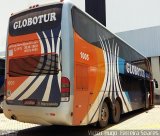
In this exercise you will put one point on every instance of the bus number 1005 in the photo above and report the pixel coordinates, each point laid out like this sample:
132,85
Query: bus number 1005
84,56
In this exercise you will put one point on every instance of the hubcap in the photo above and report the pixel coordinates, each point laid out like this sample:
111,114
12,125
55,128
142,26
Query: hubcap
104,114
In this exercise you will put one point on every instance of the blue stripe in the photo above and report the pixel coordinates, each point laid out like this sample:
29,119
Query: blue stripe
121,63
39,92
56,34
55,91
43,41
127,95
26,88
49,37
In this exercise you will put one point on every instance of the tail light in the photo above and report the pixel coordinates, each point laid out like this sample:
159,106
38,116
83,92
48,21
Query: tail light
65,89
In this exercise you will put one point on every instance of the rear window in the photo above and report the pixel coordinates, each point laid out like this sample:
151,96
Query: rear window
34,65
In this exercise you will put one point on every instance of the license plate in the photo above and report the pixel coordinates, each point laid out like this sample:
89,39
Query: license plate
29,102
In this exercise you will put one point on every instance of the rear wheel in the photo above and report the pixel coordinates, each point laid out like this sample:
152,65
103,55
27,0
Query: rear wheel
104,116
116,113
147,103
1,99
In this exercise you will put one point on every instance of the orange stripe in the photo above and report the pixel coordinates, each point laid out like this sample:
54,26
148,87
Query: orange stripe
19,51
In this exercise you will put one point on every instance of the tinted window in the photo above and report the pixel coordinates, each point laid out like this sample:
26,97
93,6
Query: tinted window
84,26
88,28
91,31
34,65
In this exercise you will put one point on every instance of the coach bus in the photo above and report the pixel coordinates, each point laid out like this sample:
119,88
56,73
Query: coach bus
65,68
2,72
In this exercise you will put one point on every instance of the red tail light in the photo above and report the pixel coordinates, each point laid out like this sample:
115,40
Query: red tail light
65,89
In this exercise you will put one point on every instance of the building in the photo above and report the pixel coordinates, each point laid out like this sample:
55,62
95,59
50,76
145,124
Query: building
147,42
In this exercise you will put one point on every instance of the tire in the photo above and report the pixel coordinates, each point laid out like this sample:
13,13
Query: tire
104,116
115,113
1,110
147,104
1,99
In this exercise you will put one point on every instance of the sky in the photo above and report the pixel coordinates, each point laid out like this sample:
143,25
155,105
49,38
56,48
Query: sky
7,7
126,15
122,15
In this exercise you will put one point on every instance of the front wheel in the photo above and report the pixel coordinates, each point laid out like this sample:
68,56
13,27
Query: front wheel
104,116
116,113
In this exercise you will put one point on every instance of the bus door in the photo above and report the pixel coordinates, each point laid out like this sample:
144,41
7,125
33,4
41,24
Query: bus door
81,93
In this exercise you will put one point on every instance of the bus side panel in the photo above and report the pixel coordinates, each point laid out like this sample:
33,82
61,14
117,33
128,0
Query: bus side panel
89,69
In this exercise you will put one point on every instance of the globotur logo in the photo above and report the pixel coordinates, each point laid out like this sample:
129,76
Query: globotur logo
134,70
35,20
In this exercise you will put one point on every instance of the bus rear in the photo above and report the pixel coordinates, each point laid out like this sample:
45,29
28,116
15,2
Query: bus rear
36,92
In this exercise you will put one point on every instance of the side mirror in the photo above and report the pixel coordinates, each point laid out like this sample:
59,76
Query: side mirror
156,83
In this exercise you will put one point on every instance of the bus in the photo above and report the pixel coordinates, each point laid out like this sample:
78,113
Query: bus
2,73
64,68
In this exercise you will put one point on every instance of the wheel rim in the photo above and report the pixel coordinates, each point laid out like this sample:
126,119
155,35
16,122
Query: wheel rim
104,114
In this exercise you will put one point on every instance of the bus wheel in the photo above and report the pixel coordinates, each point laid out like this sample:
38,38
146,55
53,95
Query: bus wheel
147,103
104,116
116,113
1,98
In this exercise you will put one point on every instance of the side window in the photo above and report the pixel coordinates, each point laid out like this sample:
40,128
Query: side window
125,82
84,26
88,28
81,77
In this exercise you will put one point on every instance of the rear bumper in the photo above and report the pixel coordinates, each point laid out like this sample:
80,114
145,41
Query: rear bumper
40,115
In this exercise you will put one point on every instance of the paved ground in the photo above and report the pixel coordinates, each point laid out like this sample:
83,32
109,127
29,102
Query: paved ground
146,120
137,120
